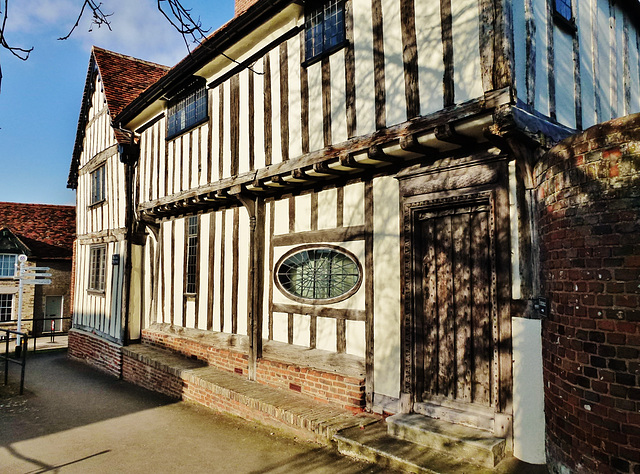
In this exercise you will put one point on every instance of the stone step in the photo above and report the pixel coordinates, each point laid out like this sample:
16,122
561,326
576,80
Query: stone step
233,393
374,444
462,442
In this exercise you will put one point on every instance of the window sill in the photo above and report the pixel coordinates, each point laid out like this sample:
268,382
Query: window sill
96,204
95,292
569,26
324,54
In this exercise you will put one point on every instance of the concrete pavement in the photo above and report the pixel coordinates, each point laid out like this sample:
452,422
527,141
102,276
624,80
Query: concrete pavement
74,419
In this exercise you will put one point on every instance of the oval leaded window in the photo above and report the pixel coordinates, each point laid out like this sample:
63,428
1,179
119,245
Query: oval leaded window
318,274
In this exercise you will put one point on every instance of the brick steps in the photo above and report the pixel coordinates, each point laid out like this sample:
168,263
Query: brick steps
180,377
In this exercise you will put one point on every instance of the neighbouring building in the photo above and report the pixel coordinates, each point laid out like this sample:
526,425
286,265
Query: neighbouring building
414,191
45,234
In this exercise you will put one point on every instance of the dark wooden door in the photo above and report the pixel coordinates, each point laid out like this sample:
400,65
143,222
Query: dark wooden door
454,290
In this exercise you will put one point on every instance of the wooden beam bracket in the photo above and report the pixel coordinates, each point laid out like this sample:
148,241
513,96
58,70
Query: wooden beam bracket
447,133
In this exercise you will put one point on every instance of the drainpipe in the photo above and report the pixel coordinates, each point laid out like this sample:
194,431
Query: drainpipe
255,208
128,155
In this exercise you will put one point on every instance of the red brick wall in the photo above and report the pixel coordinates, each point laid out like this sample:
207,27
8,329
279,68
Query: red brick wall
589,222
97,352
151,378
346,392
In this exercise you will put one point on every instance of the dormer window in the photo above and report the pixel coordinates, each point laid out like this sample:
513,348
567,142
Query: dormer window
324,28
187,112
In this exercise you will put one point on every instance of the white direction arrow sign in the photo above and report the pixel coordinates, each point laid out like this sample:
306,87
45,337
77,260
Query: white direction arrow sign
36,275
36,269
41,281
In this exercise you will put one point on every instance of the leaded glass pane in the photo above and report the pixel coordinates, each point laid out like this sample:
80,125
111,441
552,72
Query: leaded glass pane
324,27
192,253
563,7
187,112
318,274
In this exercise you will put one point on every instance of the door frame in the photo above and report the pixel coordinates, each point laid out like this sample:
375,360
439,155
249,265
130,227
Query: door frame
424,188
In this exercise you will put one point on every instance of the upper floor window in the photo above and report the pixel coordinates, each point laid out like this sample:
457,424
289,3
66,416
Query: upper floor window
192,254
187,112
563,9
324,28
7,265
6,307
97,263
98,185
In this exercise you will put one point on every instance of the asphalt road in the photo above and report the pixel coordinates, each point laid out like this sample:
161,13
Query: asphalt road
75,419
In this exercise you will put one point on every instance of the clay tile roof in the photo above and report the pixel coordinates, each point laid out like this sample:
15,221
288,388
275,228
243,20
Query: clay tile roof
47,230
124,77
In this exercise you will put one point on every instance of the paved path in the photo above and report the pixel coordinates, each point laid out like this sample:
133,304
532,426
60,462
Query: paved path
74,419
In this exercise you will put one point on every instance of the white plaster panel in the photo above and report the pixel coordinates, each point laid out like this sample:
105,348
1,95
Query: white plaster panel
338,98
314,75
301,330
243,142
327,209
295,111
281,220
243,271
564,77
327,334
584,15
204,154
190,313
214,96
542,58
519,49
258,118
363,58
266,301
528,391
226,145
467,76
171,164
167,273
303,213
396,109
634,69
280,327
204,250
275,106
178,271
217,265
430,51
355,335
386,286
618,77
228,269
603,66
354,204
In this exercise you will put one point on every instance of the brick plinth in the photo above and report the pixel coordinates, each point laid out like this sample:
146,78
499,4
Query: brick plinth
91,349
589,223
229,353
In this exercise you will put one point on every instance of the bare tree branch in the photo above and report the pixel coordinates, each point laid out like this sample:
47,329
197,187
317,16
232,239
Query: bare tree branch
99,17
20,53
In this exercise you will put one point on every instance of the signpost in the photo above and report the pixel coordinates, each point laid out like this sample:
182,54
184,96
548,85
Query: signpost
28,276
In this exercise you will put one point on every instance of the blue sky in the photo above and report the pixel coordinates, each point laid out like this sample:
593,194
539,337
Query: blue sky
40,98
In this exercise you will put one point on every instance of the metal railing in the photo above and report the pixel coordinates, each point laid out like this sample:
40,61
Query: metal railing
21,355
38,330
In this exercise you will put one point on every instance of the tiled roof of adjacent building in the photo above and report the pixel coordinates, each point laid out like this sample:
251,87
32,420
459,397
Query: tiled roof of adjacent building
47,230
123,78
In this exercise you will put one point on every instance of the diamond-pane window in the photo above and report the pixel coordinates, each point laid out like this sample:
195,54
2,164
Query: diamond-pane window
192,254
324,27
319,274
187,112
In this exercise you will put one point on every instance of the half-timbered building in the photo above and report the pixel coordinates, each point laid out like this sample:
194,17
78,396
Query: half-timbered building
352,181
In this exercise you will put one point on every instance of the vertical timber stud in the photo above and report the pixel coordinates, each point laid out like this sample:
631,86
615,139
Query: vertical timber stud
255,208
369,296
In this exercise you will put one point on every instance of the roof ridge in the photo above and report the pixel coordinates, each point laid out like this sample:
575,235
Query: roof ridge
130,58
71,206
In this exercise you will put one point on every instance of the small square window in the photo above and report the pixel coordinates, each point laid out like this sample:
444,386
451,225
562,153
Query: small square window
6,307
187,112
98,185
324,28
7,265
97,267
